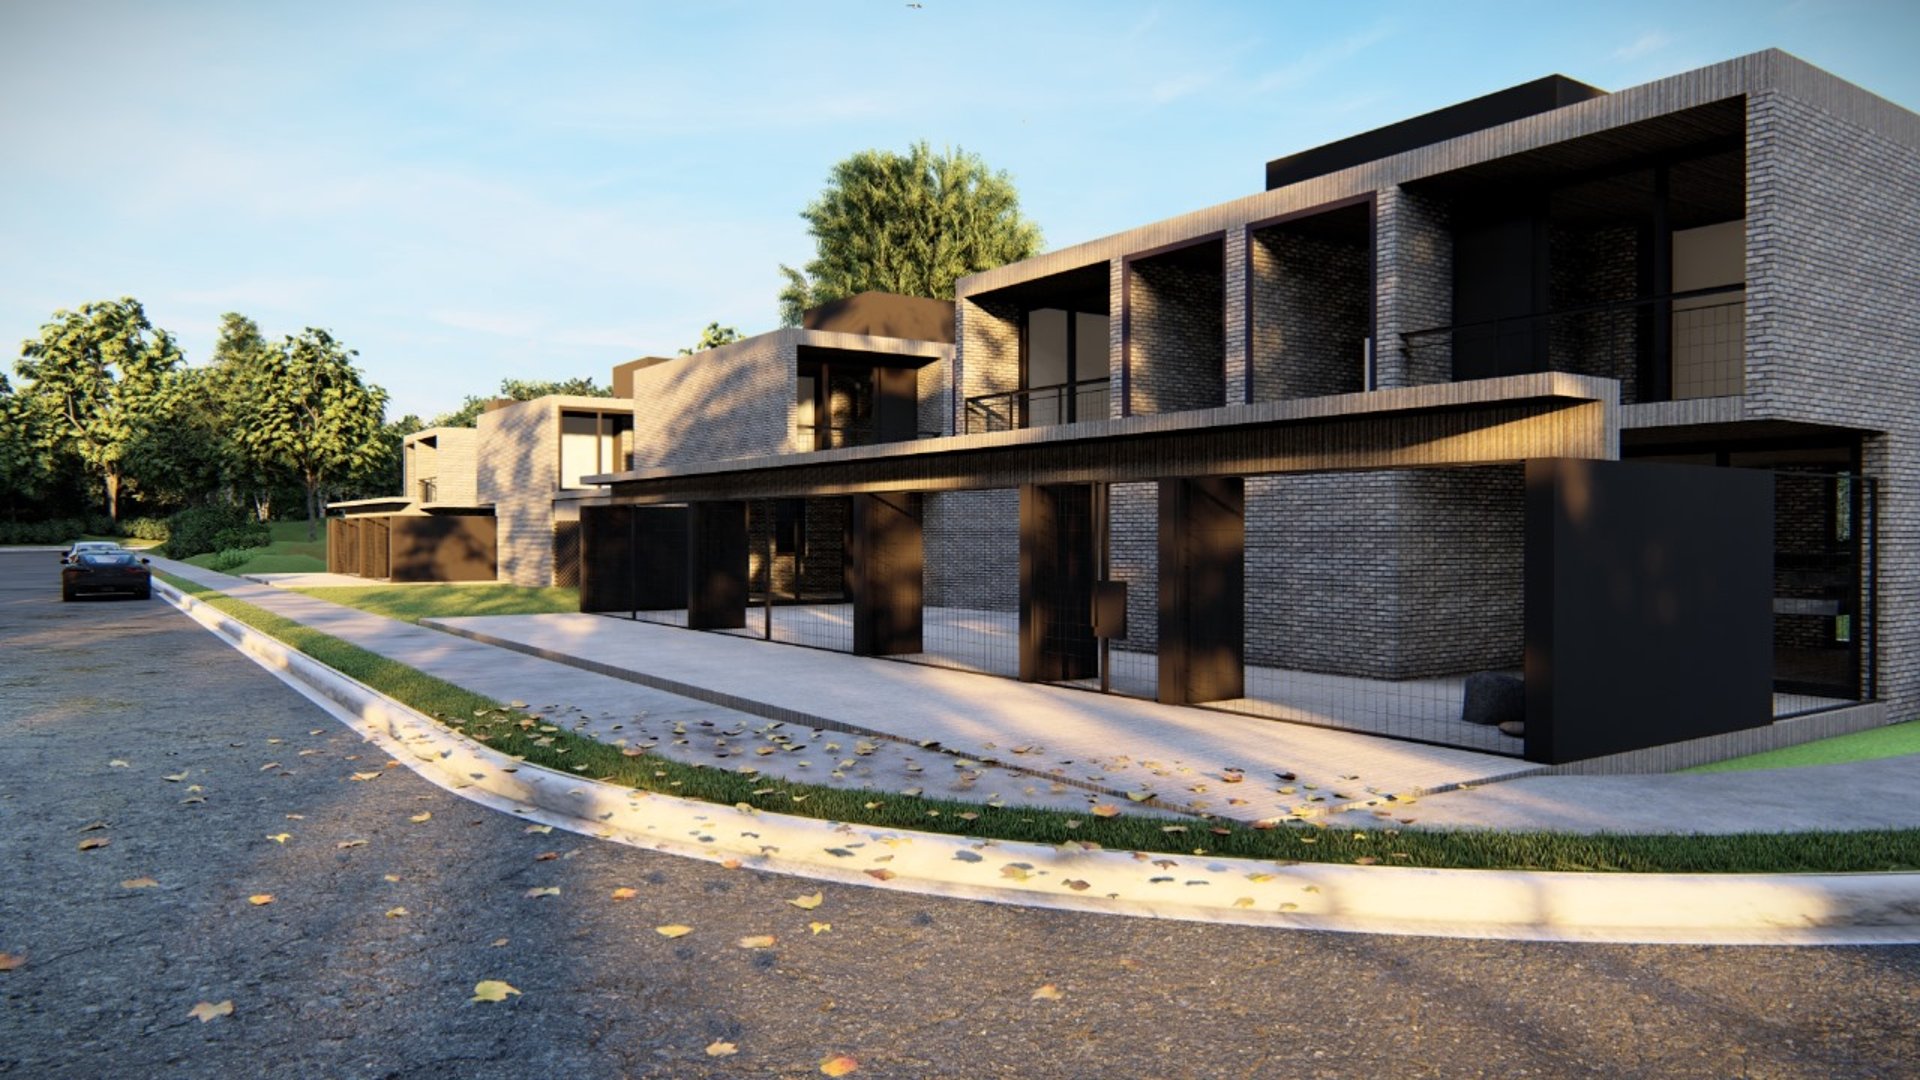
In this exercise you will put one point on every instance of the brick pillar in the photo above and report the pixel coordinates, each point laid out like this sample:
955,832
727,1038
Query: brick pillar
1413,261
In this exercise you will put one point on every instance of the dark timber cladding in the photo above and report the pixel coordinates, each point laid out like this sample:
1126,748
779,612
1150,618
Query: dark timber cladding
886,568
1058,568
717,566
1202,590
1555,418
633,558
1648,605
880,314
1491,110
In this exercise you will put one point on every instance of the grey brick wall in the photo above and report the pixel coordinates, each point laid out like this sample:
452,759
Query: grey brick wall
1178,337
972,549
1413,256
732,402
1309,300
1596,266
987,333
1388,575
1833,320
1133,550
519,471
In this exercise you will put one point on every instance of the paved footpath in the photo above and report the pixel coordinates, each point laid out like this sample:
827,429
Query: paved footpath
332,978
1135,745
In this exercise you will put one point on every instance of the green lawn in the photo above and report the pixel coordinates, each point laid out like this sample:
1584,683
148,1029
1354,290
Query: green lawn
1883,742
289,553
533,739
412,603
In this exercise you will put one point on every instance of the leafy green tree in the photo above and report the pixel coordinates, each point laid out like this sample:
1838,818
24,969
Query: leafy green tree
312,414
25,465
243,366
468,414
178,458
94,374
713,337
912,224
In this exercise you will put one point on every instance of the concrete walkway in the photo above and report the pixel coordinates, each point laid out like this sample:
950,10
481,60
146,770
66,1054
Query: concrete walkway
1069,748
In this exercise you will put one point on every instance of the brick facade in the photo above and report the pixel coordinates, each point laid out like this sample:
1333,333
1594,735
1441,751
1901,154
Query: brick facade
1309,300
972,549
1176,336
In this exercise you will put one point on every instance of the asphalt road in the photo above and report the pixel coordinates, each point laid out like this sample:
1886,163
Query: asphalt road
217,783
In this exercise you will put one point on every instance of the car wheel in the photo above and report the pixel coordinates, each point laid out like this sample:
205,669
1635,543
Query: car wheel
66,595
144,594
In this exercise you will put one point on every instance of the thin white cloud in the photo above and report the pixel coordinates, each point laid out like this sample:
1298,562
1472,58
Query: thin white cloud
1310,65
1650,42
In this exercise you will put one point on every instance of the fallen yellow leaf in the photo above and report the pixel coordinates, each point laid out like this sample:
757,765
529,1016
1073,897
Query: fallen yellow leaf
673,930
819,927
541,829
92,842
351,844
139,883
280,838
491,990
424,815
1106,810
721,1049
116,763
397,913
9,961
806,903
175,778
260,899
207,1010
757,941
838,1065
1048,992
499,943
625,893
365,776
543,890
881,875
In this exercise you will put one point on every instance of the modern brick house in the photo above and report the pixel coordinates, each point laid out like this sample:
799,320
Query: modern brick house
1454,397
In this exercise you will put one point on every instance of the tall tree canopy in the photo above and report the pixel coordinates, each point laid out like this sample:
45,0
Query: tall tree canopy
93,376
314,415
518,390
913,224
243,367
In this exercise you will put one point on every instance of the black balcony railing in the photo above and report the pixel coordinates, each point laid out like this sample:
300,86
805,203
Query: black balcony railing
1038,406
1683,345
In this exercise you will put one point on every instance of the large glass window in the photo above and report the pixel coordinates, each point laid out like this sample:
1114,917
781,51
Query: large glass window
590,445
1065,369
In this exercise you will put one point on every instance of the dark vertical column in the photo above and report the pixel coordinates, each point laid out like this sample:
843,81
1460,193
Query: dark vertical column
885,560
1649,605
1202,590
896,404
606,558
1057,566
717,566
335,542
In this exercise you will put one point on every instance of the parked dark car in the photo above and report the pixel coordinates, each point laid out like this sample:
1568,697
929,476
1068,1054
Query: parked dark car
81,547
106,572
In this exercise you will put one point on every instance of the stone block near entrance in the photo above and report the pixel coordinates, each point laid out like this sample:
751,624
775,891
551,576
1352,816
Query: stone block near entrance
1494,697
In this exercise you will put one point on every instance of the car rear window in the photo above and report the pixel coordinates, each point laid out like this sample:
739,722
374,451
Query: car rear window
108,558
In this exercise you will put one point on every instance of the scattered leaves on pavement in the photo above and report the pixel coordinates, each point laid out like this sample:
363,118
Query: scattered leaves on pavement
424,815
1048,992
673,930
175,778
625,892
397,913
806,903
721,1049
542,890
93,842
9,961
491,990
260,899
838,1065
757,941
541,829
207,1010
819,927
350,844
280,838
116,763
1106,810
139,883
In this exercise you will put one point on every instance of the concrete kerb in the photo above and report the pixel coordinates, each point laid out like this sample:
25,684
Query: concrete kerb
1825,909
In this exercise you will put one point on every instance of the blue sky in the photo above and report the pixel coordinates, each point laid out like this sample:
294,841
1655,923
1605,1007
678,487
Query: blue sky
477,191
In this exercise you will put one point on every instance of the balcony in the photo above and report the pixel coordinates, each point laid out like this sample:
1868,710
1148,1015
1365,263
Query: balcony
1683,345
1038,406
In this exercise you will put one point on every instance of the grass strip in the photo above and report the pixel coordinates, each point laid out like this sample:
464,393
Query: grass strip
1895,740
533,739
411,603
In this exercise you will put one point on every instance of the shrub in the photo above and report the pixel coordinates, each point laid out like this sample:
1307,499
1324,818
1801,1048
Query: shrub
55,531
229,558
254,534
144,528
197,530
